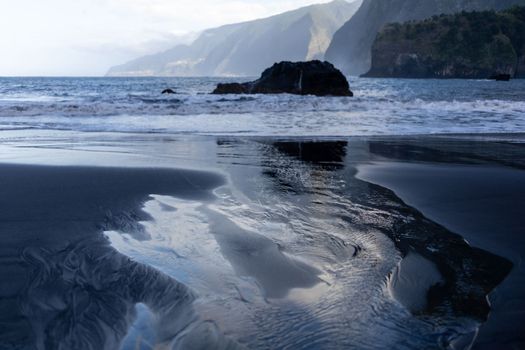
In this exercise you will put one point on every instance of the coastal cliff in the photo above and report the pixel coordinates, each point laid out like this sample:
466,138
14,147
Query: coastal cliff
350,49
245,49
474,45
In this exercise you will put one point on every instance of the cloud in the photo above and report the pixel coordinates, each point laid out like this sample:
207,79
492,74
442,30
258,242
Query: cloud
202,14
65,33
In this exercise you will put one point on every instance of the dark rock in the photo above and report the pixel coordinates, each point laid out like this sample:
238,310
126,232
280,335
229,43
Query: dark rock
232,88
301,78
500,77
168,91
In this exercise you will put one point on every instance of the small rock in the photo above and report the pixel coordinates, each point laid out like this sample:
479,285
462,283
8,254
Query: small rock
500,77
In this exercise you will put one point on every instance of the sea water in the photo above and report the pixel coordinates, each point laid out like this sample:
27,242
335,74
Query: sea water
331,281
380,107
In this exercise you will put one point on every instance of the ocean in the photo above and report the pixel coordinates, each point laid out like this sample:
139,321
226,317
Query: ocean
135,220
380,107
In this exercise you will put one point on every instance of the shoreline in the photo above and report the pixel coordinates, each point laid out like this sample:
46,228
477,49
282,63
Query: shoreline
317,175
62,272
481,203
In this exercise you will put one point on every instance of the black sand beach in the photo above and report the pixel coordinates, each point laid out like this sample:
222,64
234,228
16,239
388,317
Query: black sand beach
481,200
288,243
63,285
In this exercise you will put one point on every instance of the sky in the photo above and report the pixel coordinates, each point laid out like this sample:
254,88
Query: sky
86,37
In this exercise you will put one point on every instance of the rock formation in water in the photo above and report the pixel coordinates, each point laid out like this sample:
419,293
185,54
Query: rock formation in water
477,45
301,78
350,49
245,49
501,77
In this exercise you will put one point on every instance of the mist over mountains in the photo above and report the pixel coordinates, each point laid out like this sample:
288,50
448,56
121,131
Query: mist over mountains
341,32
245,49
351,46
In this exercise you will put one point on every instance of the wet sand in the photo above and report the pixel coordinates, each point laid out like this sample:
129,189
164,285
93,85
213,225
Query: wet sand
63,286
485,204
276,244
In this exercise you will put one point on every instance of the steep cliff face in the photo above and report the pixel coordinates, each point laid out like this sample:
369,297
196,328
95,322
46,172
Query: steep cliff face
245,49
520,71
350,49
465,45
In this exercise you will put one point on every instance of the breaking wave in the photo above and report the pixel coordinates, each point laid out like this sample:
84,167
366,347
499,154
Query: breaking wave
381,107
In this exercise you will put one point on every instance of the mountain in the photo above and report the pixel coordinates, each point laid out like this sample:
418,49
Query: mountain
350,49
246,49
463,45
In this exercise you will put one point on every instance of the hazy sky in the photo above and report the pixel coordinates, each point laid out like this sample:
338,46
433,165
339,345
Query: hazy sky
86,37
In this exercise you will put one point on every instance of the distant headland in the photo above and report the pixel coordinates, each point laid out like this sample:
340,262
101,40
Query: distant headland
476,45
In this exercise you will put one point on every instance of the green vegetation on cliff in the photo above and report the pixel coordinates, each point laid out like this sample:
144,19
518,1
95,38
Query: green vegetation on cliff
463,45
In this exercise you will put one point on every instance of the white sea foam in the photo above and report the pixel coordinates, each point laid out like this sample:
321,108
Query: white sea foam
380,107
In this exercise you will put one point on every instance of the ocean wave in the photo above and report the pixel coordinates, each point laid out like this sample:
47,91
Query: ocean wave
236,104
379,107
276,115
